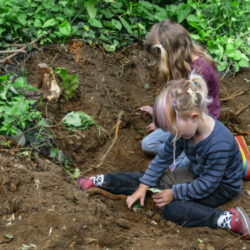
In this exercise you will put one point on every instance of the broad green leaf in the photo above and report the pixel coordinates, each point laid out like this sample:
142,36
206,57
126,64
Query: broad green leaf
68,12
78,119
160,15
116,24
94,22
76,173
73,119
126,25
65,28
236,54
63,3
112,47
91,9
53,152
222,66
49,23
1,31
22,19
244,62
172,8
182,12
38,23
107,14
21,82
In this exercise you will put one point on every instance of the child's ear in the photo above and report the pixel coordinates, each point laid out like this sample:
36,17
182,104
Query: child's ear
195,116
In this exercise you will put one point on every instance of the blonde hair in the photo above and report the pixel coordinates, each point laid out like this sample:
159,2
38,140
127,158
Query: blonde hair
178,99
172,45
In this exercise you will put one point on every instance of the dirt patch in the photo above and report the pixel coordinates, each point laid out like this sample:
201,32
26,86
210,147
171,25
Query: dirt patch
39,203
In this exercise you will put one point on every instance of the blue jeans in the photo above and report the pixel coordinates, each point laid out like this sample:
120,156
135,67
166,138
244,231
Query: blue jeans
156,140
204,212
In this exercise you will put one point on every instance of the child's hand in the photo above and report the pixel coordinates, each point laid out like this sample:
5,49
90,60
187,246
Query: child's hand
147,109
151,127
139,194
163,198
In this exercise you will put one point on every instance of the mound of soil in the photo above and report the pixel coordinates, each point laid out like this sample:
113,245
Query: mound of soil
40,205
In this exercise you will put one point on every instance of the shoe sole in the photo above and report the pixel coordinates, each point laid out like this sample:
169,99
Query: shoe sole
246,220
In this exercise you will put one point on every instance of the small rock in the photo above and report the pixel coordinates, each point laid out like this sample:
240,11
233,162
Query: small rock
248,192
123,223
12,187
208,247
157,218
150,213
90,240
201,246
154,222
170,224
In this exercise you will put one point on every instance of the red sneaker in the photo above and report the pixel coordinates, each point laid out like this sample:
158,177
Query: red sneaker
240,222
85,183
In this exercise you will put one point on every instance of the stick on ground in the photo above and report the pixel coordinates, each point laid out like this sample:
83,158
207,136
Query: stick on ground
114,140
234,95
22,50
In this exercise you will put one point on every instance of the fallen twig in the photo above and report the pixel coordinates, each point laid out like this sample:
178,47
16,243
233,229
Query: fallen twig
238,130
242,109
12,51
102,159
234,95
114,140
17,138
22,49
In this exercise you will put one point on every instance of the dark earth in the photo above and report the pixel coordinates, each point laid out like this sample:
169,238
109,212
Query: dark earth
41,206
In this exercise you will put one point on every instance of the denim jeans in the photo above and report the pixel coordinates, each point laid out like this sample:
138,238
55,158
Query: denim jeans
155,141
204,212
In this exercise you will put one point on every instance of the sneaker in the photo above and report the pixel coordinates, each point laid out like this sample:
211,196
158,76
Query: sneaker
240,222
85,183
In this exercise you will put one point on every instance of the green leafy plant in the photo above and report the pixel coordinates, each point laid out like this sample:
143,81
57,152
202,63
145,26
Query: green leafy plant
16,112
79,120
70,82
221,26
58,155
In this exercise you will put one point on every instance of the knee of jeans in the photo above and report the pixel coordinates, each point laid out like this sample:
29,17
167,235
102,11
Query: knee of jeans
170,211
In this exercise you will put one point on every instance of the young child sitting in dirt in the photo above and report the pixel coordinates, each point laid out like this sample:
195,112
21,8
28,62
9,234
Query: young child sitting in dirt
191,195
177,56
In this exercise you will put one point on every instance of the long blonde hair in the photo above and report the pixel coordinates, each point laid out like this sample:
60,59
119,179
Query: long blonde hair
172,45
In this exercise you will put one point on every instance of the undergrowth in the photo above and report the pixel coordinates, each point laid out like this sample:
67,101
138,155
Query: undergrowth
221,26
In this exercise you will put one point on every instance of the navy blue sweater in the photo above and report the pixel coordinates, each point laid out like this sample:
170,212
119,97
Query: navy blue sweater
215,161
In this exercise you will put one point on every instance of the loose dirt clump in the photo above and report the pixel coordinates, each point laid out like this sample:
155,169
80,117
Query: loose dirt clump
40,205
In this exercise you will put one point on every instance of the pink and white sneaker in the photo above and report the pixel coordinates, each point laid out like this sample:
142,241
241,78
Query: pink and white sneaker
240,222
85,183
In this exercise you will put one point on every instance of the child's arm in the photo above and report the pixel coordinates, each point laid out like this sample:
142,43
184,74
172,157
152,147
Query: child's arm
139,194
161,162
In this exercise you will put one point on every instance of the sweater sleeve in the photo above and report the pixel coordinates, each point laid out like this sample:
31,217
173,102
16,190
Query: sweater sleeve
211,177
161,162
210,75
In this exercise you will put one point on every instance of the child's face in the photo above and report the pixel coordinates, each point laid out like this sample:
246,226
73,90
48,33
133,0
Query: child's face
187,126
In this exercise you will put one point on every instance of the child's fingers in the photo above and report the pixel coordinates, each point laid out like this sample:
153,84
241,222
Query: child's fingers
147,109
130,201
142,201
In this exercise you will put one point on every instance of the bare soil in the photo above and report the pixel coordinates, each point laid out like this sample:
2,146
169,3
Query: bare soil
42,207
